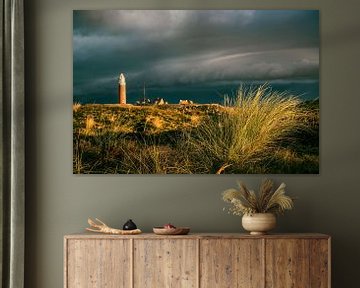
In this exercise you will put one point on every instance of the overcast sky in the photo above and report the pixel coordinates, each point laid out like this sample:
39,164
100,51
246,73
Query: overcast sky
168,48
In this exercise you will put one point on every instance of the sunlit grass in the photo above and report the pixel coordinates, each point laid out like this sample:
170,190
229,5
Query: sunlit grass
258,131
247,132
89,125
76,107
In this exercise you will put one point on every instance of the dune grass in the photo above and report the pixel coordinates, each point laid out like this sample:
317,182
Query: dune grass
249,131
260,131
76,106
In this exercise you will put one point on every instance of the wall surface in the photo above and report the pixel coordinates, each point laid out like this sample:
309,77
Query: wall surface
59,203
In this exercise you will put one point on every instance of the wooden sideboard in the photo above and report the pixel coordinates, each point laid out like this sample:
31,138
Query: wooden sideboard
197,260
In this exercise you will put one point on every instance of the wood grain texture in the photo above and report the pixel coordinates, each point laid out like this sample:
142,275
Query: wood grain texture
319,263
98,263
231,263
197,260
166,263
88,235
287,263
66,262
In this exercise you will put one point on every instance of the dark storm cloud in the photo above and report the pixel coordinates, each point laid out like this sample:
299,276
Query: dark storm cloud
170,47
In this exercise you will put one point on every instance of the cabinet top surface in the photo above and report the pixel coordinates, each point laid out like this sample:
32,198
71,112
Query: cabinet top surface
87,235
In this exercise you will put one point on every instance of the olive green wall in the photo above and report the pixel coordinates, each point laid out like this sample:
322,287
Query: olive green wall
59,202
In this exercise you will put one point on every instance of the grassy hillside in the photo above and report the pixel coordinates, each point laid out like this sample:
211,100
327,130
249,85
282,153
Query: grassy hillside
259,133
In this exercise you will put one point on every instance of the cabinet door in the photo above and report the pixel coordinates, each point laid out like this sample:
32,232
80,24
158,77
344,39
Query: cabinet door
231,263
165,263
287,263
320,263
98,263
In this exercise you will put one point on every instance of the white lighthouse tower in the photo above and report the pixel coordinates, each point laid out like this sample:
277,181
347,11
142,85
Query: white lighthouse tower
122,89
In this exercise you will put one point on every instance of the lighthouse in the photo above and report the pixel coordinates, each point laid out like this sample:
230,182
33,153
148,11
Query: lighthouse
122,89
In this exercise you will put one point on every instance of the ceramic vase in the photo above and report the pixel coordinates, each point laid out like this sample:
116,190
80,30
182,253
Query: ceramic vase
259,223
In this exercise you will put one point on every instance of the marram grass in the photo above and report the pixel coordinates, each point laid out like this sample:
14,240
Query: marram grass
249,130
259,131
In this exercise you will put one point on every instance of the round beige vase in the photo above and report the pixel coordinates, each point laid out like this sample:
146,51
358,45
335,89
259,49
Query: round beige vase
259,223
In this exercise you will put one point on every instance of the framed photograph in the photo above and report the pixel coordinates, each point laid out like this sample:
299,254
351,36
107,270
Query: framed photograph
195,91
